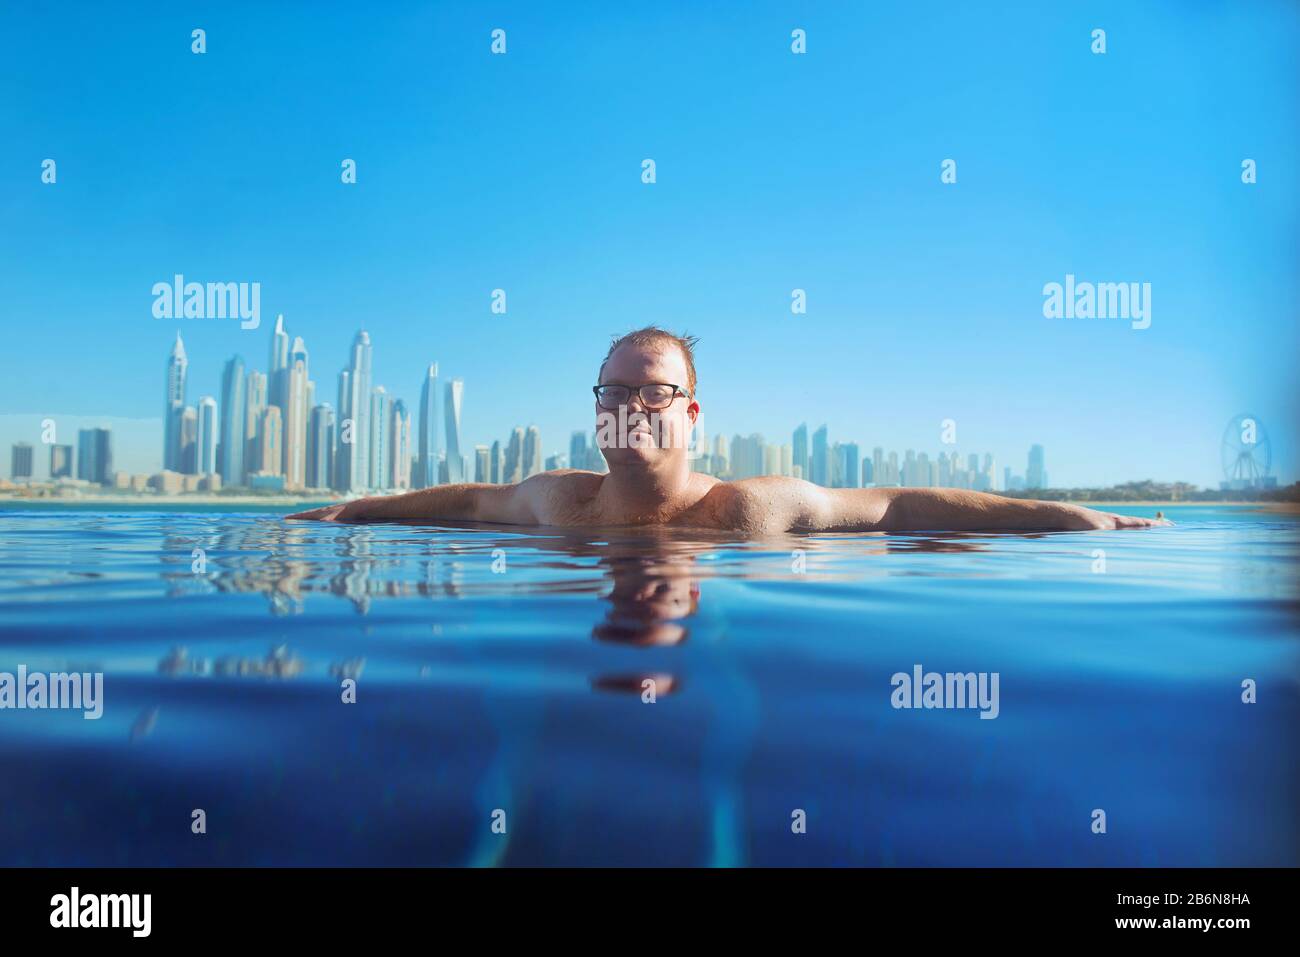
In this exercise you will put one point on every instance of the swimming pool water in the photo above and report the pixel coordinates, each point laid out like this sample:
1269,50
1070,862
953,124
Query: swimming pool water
501,677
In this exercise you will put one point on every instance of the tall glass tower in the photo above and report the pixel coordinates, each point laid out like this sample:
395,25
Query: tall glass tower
206,440
294,415
1036,473
455,463
800,453
429,447
176,367
354,416
233,415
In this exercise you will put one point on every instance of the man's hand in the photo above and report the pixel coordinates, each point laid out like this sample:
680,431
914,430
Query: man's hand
1082,519
348,511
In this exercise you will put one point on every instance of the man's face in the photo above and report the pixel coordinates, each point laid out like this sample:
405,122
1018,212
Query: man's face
637,433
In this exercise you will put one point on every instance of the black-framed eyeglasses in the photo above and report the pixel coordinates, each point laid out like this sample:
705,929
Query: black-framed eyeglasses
654,395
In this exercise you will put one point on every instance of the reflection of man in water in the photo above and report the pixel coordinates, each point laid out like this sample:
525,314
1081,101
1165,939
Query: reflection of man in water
648,603
646,408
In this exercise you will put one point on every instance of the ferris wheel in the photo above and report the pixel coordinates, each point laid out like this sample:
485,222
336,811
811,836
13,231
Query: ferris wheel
1245,451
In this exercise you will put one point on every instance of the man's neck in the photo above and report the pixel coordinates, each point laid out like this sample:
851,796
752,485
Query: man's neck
645,493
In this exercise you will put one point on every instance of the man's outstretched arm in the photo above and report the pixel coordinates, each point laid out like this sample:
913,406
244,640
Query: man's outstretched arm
955,510
468,502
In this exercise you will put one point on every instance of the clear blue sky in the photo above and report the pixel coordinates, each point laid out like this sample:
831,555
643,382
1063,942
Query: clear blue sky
775,171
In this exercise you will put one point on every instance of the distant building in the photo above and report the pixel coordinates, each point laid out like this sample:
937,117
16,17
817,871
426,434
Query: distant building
294,412
320,447
799,452
454,456
20,462
255,404
233,422
60,461
578,450
747,456
95,456
166,482
1036,472
177,364
189,433
380,475
352,454
513,467
496,463
269,438
206,437
848,469
820,461
401,445
532,451
428,443
482,463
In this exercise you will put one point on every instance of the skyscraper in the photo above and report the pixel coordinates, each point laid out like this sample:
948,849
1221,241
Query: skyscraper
95,455
341,478
278,367
400,440
354,416
800,453
255,402
380,425
294,412
497,464
189,434
20,461
60,461
269,436
820,464
747,456
177,364
1036,473
205,441
513,469
233,422
849,464
532,451
320,447
721,456
482,464
455,462
771,459
429,445
578,450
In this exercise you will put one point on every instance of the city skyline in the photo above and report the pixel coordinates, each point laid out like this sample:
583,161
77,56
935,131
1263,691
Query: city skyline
266,454
277,454
924,299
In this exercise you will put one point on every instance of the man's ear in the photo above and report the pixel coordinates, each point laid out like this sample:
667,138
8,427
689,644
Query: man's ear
693,410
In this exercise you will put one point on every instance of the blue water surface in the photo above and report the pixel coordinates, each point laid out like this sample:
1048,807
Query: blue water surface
504,675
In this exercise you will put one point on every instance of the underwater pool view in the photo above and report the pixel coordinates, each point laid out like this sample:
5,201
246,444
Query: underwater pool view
533,697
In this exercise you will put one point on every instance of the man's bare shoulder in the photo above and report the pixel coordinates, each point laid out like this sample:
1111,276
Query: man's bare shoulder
764,504
561,496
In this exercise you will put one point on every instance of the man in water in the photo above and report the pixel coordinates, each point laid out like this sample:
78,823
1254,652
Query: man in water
646,407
